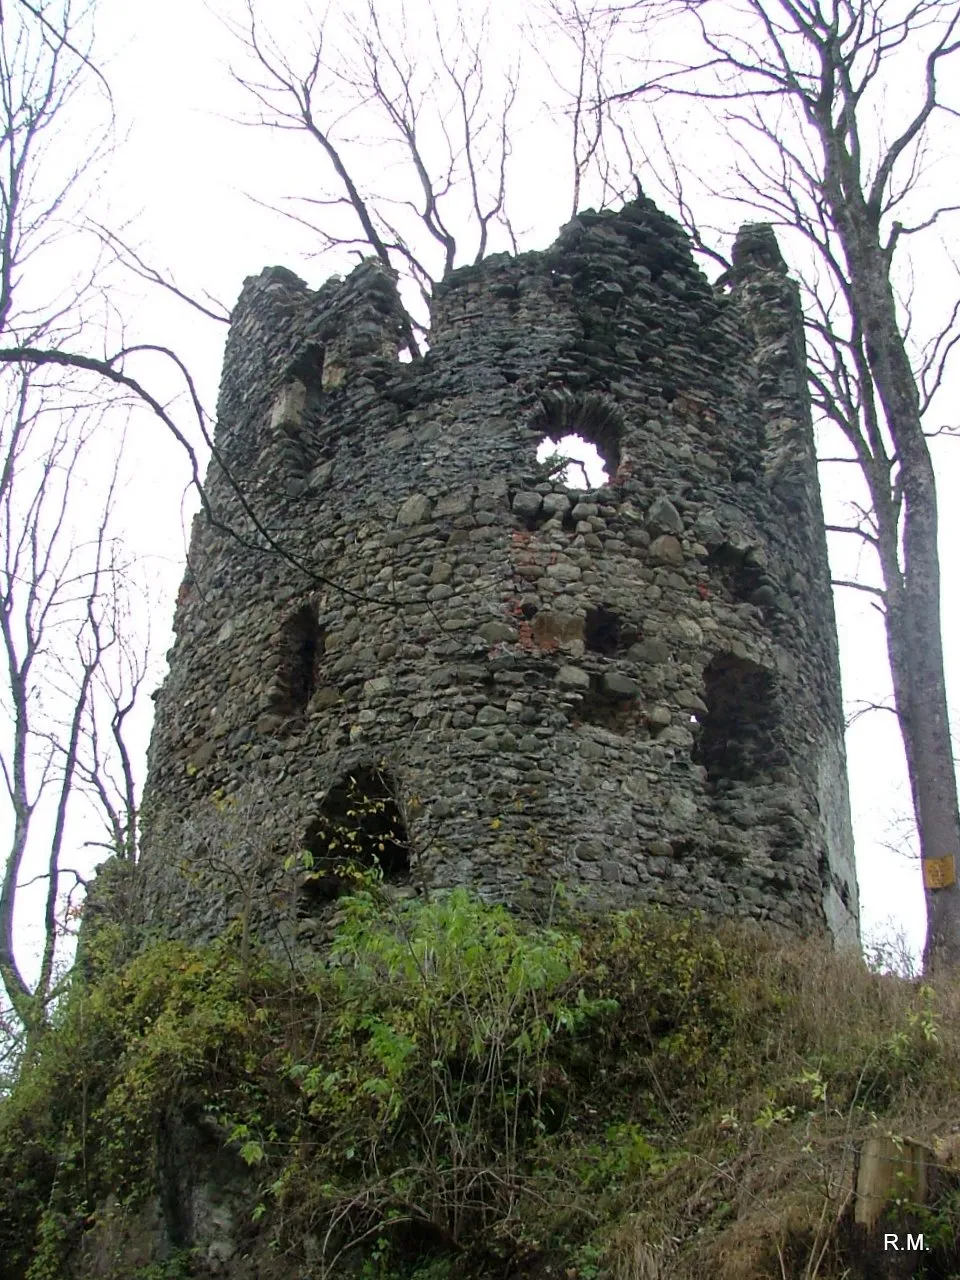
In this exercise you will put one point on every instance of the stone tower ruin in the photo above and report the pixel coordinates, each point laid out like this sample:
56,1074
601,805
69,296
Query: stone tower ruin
397,626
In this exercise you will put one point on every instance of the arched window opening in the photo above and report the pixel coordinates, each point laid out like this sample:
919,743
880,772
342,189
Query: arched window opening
359,828
573,462
578,438
737,734
300,650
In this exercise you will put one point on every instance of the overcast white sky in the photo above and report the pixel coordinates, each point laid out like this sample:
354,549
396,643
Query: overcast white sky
182,173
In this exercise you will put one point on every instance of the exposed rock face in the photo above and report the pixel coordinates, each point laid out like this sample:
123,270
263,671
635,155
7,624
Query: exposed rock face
632,689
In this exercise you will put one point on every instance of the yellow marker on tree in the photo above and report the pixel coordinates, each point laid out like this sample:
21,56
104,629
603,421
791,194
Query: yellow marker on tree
939,873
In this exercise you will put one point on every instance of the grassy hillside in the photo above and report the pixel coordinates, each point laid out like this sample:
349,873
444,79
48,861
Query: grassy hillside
453,1093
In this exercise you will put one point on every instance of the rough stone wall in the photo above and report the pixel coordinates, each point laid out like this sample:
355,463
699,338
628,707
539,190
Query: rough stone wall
633,689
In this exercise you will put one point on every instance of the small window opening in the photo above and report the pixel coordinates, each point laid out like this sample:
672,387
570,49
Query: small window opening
307,366
360,827
737,735
572,461
602,630
579,438
301,646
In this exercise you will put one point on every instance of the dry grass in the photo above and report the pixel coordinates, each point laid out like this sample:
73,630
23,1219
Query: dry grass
829,1053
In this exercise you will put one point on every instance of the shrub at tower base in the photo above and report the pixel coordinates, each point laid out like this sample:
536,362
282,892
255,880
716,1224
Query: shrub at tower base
451,1091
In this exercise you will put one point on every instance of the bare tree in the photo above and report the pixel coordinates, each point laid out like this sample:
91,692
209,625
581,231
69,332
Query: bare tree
829,108
106,770
51,299
418,115
55,314
59,633
576,43
71,673
432,193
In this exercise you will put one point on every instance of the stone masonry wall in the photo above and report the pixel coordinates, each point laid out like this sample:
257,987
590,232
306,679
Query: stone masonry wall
632,689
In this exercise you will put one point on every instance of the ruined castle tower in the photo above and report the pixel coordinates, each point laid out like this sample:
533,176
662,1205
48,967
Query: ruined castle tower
403,641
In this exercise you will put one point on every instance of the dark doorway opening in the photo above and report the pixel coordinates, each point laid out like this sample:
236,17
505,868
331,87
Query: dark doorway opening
359,828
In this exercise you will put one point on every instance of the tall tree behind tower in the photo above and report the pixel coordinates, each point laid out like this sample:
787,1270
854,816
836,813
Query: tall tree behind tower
812,96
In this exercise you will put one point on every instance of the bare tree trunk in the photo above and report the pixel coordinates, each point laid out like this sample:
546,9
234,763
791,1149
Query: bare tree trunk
914,635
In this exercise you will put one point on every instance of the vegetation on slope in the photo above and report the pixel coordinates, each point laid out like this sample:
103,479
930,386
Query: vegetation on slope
456,1092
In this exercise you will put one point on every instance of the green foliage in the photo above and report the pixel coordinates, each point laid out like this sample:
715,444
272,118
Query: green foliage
451,1083
167,1030
939,1224
436,1066
179,1266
